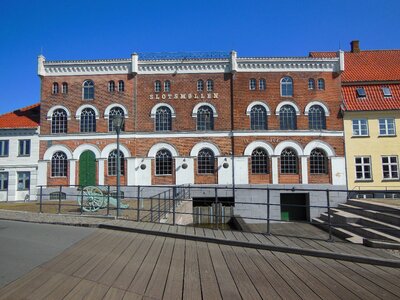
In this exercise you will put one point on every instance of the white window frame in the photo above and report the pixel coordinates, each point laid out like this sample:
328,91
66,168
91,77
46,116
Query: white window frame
210,85
24,180
358,124
252,84
385,122
262,84
4,148
393,167
363,164
3,180
23,147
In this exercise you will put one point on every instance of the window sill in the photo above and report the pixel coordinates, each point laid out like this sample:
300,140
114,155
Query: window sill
360,136
25,155
386,135
390,179
364,180
162,175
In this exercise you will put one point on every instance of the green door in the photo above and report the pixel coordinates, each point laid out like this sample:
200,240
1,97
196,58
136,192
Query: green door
87,168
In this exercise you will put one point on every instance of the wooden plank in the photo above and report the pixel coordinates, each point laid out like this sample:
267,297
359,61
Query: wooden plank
219,234
181,229
190,230
226,283
229,235
97,292
20,281
63,289
191,288
243,282
199,231
240,236
80,290
132,296
209,232
382,273
174,285
115,294
45,289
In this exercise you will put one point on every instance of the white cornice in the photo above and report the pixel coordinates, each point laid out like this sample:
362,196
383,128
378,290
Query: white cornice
184,67
86,68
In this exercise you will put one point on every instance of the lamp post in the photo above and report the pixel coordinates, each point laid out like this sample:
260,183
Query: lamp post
118,121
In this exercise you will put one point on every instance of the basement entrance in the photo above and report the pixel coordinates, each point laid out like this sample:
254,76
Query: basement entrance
295,207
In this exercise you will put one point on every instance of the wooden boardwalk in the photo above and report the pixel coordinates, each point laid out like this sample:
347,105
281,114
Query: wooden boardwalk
124,265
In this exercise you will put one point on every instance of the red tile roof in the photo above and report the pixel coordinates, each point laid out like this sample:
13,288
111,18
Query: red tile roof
27,117
368,65
374,99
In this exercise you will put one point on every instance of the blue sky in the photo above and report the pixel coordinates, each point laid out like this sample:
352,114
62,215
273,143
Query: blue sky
114,29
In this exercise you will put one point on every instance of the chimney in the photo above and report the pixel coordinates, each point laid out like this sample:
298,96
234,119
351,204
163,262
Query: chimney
355,46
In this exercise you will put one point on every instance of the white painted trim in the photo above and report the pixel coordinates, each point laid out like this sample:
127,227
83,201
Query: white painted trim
319,144
107,110
193,134
199,146
198,105
107,149
306,110
81,148
52,109
275,170
288,144
82,107
55,148
155,107
291,103
155,148
304,170
248,109
258,144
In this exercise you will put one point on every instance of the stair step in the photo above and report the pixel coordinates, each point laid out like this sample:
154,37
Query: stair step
339,232
370,233
373,214
380,207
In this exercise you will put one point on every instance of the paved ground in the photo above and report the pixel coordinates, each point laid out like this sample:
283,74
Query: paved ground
23,246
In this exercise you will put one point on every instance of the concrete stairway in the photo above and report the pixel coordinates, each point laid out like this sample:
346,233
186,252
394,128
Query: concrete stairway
364,222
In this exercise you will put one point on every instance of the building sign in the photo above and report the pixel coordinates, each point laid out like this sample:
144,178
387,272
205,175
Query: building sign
183,96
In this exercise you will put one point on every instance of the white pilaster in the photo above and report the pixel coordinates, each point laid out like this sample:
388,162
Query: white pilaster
143,171
184,176
338,170
241,170
304,170
42,172
130,166
275,170
224,173
101,170
72,172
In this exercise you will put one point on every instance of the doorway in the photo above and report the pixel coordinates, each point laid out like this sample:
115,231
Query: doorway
87,168
295,207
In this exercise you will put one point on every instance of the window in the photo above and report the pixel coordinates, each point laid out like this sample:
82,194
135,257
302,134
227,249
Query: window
112,163
321,84
88,90
167,86
113,112
262,84
157,86
289,161
64,88
24,180
311,84
205,118
259,161
387,92
3,181
55,88
258,118
111,86
252,84
59,121
390,167
387,126
24,148
163,119
59,164
210,85
363,168
88,120
360,127
200,85
361,92
287,118
205,162
4,148
316,118
318,162
163,162
287,87
121,86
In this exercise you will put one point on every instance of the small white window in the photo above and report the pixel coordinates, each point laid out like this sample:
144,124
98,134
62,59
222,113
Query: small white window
252,84
121,86
363,168
387,92
111,86
210,85
64,88
390,167
311,84
321,84
387,126
24,148
360,127
167,86
262,84
200,85
157,86
55,88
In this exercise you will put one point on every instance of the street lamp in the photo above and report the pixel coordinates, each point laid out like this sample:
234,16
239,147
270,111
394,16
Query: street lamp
118,121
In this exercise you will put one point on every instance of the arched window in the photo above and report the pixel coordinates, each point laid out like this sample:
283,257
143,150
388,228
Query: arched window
88,90
205,161
200,85
289,161
287,87
163,119
112,163
262,84
311,84
321,84
259,161
64,88
258,118
210,85
59,164
205,118
316,117
55,88
157,86
252,84
121,86
113,112
88,120
287,117
163,162
59,121
111,86
318,162
167,86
